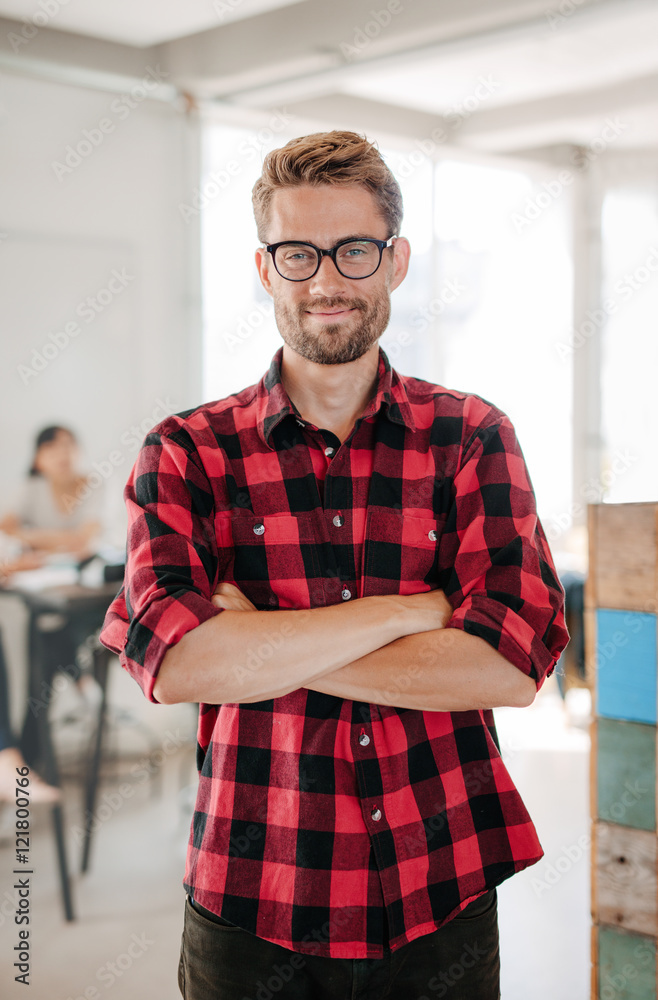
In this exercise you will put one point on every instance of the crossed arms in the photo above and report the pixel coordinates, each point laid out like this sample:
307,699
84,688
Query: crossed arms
490,644
383,650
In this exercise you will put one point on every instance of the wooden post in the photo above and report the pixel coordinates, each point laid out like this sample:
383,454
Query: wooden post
621,636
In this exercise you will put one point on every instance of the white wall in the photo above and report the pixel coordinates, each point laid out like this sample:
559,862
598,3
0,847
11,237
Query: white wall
62,235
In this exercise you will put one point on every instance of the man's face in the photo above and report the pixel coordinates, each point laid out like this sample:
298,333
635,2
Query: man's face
330,319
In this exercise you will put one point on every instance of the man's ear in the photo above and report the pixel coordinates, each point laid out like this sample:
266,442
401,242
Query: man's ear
263,263
401,254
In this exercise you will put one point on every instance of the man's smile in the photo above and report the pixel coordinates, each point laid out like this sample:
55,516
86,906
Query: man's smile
331,314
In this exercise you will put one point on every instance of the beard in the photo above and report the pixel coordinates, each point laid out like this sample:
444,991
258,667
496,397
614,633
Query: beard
334,343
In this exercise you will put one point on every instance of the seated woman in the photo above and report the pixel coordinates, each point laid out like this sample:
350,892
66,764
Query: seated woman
11,757
58,512
58,509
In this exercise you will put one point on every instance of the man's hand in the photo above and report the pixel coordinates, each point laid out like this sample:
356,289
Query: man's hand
432,607
230,598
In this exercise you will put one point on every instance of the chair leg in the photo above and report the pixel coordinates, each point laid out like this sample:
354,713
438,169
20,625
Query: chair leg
50,770
58,826
101,663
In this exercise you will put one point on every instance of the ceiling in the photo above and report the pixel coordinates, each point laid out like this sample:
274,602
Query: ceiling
510,76
142,22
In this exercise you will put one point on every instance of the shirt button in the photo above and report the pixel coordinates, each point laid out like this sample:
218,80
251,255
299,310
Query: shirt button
328,452
339,520
432,535
364,739
259,529
346,594
376,814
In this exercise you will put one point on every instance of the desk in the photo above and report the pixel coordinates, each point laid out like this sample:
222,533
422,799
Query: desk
78,605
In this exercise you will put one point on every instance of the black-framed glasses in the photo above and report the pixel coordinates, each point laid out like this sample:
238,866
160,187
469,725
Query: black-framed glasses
296,260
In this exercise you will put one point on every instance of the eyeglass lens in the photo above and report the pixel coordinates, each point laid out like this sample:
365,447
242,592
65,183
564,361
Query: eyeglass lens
358,259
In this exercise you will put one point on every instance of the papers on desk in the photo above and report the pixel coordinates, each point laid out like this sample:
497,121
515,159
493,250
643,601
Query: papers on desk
44,577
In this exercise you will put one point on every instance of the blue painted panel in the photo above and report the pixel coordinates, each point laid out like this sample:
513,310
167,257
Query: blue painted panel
626,665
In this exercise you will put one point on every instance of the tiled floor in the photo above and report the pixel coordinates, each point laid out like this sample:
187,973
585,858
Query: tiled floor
125,942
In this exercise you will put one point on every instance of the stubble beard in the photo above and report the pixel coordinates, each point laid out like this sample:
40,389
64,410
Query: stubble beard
333,344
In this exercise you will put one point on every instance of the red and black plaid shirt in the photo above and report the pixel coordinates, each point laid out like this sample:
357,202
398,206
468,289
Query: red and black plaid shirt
330,826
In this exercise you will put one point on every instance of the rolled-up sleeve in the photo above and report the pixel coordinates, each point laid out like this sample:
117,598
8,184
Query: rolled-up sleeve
171,565
499,573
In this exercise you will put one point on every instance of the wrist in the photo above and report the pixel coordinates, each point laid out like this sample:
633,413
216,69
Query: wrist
395,617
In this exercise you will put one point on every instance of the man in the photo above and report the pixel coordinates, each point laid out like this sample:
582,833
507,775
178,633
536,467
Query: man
344,566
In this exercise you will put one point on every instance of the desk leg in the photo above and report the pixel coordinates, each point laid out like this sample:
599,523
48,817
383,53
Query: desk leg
50,771
101,663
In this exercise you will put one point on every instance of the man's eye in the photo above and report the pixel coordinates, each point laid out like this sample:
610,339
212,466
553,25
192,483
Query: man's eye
297,253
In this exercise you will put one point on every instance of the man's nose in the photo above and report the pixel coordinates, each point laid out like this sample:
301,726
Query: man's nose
327,280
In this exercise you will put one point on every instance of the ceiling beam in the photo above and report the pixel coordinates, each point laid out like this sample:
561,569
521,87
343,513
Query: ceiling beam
514,124
266,59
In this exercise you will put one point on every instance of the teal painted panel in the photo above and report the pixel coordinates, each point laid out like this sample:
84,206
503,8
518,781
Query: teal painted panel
626,773
627,966
626,665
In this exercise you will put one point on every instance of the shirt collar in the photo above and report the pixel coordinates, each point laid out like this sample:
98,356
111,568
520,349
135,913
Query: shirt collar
273,403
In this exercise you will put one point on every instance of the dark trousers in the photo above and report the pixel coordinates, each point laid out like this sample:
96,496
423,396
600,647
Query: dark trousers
460,961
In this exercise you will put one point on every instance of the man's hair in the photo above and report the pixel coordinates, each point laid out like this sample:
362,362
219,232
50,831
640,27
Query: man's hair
328,158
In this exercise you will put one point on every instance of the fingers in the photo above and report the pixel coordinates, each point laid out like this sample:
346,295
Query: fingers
230,598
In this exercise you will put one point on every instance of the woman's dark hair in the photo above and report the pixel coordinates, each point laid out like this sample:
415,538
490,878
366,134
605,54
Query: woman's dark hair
45,436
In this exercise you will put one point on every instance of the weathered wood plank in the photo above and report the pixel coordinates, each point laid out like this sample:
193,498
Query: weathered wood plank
627,966
625,862
625,773
623,539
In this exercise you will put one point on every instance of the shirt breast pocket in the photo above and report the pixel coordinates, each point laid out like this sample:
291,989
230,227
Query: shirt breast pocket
400,552
275,559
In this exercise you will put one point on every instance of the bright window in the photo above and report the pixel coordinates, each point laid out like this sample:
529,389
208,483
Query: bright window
629,471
